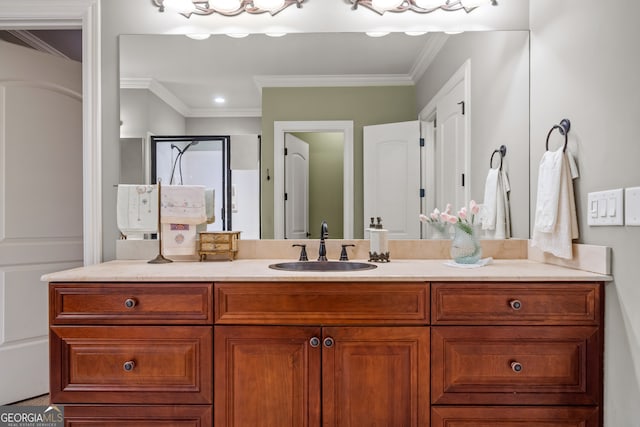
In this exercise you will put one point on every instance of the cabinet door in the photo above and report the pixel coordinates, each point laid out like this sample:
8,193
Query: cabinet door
376,376
266,376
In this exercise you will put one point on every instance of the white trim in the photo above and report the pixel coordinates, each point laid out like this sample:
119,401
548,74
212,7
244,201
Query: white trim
36,43
169,98
34,14
463,74
428,55
279,129
333,81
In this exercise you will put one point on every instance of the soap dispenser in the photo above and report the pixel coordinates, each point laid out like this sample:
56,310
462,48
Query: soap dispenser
378,242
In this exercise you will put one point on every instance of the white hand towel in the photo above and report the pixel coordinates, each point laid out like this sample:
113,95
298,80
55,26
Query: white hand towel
488,217
178,239
137,209
183,204
549,178
559,240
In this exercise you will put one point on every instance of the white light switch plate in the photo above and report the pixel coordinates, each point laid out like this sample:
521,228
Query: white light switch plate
632,205
605,208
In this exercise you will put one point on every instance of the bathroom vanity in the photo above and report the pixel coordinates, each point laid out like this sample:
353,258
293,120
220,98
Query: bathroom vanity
410,343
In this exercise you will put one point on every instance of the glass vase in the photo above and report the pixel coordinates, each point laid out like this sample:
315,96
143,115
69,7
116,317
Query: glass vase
438,230
465,244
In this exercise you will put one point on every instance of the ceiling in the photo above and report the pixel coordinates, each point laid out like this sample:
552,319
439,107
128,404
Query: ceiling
189,73
62,43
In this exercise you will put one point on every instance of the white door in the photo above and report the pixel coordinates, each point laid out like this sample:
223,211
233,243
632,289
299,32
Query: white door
391,173
450,150
40,205
296,188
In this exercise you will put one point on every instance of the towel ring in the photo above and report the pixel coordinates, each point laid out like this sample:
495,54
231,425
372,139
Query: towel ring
563,128
503,152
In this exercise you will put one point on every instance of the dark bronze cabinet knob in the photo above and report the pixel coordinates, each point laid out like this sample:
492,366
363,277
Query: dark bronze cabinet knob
130,303
515,304
516,367
129,365
328,342
314,342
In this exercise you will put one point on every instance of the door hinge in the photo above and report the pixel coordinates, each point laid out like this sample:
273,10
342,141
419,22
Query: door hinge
462,103
421,142
286,151
285,197
463,180
422,192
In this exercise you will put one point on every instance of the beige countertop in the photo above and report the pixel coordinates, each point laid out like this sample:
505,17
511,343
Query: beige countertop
255,270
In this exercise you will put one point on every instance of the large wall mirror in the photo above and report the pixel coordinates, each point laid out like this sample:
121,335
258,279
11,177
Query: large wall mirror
171,85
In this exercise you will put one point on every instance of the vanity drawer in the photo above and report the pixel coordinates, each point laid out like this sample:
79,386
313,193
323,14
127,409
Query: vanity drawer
138,416
315,303
122,364
551,416
516,303
133,303
516,365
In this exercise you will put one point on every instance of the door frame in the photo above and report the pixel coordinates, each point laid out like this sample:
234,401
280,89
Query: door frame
428,114
279,129
83,14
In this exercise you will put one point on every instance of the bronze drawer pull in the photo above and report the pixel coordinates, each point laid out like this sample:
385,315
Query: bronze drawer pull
130,303
328,342
516,367
314,342
515,304
129,365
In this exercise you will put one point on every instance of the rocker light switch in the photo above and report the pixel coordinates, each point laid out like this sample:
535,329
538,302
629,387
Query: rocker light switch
606,207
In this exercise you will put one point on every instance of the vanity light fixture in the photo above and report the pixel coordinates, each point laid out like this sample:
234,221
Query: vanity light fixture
224,7
420,6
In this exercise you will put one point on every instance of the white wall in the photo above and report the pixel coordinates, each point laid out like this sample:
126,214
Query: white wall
499,107
585,64
143,112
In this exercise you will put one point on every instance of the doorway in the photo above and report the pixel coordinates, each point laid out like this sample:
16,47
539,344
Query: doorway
280,130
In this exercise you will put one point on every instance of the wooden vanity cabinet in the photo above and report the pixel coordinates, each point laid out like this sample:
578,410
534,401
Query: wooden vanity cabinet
331,354
521,353
125,354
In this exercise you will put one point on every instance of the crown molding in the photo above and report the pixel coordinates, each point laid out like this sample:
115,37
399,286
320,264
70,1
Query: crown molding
427,55
36,42
333,81
174,102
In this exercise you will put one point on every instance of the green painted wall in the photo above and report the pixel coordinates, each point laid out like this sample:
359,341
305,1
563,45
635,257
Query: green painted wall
363,105
326,181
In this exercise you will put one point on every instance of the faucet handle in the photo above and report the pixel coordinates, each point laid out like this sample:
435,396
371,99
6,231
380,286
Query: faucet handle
303,252
343,253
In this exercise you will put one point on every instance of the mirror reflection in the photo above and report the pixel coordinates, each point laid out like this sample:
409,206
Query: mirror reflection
170,83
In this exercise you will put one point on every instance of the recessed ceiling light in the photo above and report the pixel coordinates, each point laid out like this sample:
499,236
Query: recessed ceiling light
376,33
276,34
415,33
238,35
202,36
219,100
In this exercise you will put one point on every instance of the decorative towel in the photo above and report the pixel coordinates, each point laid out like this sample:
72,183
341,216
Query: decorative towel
549,183
488,217
178,239
558,241
137,209
183,204
210,204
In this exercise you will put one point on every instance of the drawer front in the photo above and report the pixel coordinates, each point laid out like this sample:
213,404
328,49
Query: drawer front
120,303
313,303
516,365
520,303
121,364
138,416
225,246
468,416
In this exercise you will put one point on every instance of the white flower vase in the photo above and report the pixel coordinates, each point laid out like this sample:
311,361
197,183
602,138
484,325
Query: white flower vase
465,245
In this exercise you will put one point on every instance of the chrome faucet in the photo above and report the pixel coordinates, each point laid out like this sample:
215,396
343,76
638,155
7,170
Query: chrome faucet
324,234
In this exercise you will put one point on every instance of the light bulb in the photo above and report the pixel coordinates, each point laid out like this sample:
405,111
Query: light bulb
415,33
429,4
377,33
268,4
238,35
276,34
386,4
225,5
201,36
181,6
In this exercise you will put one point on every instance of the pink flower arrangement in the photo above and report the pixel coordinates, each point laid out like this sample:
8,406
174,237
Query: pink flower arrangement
464,219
